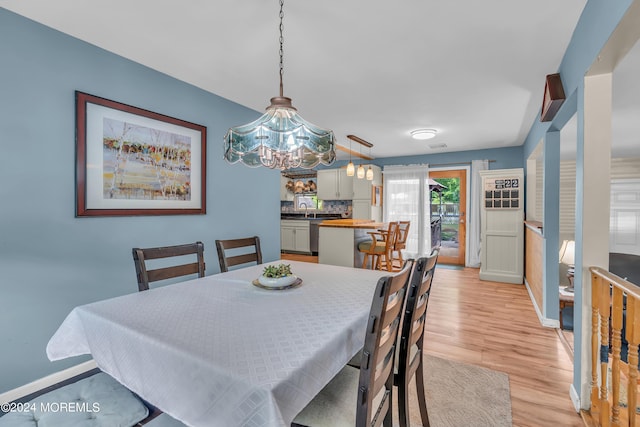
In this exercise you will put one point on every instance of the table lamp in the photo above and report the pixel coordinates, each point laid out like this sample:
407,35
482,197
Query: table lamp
566,255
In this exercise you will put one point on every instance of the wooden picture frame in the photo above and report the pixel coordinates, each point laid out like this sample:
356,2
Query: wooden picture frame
376,195
131,161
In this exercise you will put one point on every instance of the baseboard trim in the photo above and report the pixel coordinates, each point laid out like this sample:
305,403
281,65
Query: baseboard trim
575,398
48,381
544,321
533,301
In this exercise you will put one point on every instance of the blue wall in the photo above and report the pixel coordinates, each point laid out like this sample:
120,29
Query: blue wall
596,24
598,20
504,158
51,261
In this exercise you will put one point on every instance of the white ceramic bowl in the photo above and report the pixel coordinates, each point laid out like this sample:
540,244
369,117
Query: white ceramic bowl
276,282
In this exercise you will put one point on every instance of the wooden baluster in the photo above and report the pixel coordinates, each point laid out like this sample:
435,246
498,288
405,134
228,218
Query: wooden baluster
616,324
595,303
604,307
633,339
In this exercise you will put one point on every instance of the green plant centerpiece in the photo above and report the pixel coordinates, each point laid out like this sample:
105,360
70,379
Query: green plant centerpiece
277,276
281,270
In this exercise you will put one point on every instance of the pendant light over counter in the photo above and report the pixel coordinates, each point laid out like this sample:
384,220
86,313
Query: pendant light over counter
350,167
361,171
281,138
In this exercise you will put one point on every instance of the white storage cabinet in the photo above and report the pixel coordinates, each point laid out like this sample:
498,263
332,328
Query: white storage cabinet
294,236
334,184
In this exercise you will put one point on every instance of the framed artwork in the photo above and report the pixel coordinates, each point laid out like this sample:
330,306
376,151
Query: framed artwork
131,161
376,195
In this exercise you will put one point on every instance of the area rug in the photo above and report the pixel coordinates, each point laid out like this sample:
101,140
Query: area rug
462,395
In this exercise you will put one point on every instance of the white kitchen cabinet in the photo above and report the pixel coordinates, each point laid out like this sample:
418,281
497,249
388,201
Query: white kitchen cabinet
334,184
362,209
361,204
362,187
294,236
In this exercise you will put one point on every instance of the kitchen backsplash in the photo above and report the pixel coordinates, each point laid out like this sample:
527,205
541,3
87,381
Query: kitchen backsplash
328,207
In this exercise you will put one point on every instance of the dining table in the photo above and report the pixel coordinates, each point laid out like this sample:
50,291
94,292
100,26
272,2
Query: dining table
221,351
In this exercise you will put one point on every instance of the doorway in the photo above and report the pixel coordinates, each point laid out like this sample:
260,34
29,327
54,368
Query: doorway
450,205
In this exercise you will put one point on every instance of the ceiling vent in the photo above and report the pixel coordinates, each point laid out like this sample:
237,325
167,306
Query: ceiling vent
436,146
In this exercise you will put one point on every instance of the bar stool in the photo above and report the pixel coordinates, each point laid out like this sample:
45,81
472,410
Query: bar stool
401,243
380,248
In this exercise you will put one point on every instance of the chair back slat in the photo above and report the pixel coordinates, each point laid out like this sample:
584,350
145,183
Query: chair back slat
250,243
403,233
418,299
170,251
376,369
171,272
145,275
410,352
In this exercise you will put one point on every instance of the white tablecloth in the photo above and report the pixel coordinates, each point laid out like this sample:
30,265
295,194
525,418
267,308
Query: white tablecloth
219,351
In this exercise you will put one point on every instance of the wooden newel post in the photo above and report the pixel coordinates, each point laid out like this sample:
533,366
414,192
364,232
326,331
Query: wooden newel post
594,342
616,338
604,307
633,339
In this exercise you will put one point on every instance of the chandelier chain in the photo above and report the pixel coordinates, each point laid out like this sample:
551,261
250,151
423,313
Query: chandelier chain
281,48
280,138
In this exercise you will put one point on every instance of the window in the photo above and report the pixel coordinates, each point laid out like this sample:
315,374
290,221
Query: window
406,198
307,202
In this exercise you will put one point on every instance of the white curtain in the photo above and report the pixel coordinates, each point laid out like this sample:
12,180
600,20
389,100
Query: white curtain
475,243
406,198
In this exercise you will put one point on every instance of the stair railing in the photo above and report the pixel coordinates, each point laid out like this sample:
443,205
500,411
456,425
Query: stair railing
614,302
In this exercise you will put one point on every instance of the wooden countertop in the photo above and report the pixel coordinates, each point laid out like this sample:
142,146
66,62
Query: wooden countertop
353,223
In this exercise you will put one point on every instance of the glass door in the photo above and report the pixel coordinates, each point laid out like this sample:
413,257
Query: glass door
450,206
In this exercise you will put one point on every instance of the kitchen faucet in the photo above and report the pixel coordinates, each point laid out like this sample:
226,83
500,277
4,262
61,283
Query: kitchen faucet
306,209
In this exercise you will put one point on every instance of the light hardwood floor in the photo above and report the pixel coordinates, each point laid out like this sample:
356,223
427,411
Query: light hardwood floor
494,325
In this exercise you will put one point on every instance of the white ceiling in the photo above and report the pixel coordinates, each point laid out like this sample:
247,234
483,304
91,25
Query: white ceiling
625,120
472,70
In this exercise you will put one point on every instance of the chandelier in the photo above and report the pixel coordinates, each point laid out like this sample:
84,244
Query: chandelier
281,138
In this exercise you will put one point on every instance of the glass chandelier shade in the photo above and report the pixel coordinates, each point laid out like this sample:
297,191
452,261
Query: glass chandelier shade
281,139
360,171
351,169
369,174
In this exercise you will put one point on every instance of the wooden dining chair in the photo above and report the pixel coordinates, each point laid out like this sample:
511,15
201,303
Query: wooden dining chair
400,244
364,397
145,275
380,248
410,348
242,245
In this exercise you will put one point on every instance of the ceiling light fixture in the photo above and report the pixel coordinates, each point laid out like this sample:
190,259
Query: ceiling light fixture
360,167
350,167
423,134
370,170
280,138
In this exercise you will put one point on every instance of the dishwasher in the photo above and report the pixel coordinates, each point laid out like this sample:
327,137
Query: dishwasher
313,235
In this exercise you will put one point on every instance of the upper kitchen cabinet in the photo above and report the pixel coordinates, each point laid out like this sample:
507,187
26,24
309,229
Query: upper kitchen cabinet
362,187
334,184
363,207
